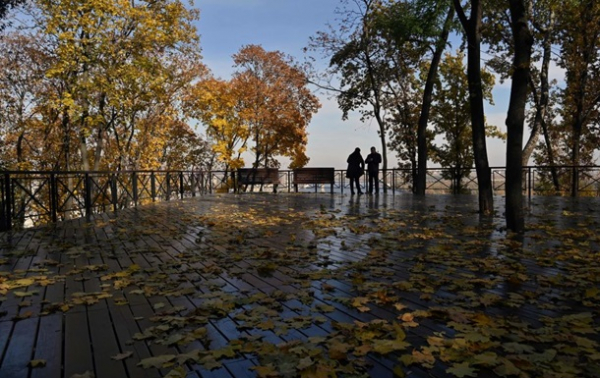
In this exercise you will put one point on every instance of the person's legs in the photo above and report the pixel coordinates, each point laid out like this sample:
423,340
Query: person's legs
352,185
376,179
358,185
370,183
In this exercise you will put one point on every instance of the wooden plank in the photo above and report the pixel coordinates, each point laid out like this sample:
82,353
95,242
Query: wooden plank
78,348
15,363
48,346
105,344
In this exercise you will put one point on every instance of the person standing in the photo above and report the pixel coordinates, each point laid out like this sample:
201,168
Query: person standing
356,168
373,160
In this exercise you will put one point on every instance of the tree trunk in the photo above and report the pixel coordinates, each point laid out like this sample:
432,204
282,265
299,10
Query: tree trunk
523,41
422,153
472,27
550,152
542,100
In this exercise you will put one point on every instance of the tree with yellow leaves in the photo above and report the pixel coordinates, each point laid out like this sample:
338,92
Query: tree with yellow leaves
117,67
215,103
276,105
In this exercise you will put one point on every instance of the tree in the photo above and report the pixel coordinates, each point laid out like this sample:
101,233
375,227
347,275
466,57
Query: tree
523,42
217,104
451,118
360,60
114,65
21,86
472,28
499,36
417,26
580,57
275,104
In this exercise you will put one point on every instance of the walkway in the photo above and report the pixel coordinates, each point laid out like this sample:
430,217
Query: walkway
304,285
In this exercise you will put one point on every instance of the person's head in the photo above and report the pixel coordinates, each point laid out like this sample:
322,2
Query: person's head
357,149
373,149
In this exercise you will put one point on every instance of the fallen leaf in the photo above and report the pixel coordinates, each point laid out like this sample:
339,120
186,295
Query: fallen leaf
122,356
462,370
37,363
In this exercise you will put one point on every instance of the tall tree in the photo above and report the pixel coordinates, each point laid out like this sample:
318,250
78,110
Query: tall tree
21,88
580,57
217,104
515,119
500,39
451,109
421,182
409,29
472,28
276,104
115,64
361,64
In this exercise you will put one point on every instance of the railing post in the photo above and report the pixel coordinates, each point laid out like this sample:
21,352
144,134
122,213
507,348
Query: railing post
134,188
529,182
193,184
153,186
168,188
5,216
393,181
181,190
88,195
113,191
53,198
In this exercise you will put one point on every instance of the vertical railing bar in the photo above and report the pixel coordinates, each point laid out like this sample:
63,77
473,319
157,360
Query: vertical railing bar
7,202
181,190
53,197
134,188
88,195
153,186
168,187
113,191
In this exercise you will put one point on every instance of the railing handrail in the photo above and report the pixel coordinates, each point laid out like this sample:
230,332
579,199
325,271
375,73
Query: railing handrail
39,196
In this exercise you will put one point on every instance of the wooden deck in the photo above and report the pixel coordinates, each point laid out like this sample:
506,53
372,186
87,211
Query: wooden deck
286,285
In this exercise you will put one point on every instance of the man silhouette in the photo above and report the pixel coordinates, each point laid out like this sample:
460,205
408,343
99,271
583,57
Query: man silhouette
373,160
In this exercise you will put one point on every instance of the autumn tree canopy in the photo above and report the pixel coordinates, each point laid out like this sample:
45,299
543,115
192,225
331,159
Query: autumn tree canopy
264,109
97,85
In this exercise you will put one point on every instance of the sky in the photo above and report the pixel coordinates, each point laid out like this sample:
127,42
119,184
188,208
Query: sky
286,25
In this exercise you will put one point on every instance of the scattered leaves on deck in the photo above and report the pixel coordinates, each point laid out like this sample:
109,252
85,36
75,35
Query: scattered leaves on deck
427,289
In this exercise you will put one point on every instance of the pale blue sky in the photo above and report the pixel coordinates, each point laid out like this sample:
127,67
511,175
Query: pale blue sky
286,25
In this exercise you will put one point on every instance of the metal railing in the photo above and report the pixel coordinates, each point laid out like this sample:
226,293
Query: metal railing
33,198
30,198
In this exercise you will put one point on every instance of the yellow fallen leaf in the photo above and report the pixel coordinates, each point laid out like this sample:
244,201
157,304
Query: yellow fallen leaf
37,363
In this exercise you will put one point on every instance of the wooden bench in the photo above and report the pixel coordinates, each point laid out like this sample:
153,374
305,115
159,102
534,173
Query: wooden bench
314,176
257,176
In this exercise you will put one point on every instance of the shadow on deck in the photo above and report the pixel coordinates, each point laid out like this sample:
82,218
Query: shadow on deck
285,285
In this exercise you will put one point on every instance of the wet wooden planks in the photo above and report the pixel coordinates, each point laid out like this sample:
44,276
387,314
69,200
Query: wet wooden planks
89,338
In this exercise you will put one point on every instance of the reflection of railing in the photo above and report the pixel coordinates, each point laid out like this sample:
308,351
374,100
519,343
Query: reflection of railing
32,198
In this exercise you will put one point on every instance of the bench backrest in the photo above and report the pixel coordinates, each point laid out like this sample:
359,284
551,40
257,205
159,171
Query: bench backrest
314,176
247,176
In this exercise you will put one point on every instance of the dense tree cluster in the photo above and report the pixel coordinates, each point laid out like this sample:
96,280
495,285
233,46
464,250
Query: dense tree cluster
119,85
387,57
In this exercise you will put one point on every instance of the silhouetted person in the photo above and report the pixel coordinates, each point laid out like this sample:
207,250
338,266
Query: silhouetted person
356,168
373,160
